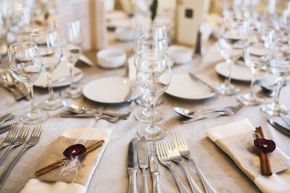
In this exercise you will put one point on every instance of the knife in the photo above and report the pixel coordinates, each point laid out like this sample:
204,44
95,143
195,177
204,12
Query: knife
143,163
286,119
279,127
154,170
194,77
6,117
132,166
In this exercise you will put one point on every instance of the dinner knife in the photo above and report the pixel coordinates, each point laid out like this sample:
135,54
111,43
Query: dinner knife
286,119
143,163
132,166
279,127
154,170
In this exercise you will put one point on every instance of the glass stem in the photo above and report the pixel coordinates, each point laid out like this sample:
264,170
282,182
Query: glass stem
152,106
229,78
278,90
50,88
252,92
33,106
72,84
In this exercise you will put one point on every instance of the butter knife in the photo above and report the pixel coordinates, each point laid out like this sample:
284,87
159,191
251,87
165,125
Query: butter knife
194,77
132,165
154,170
279,127
143,163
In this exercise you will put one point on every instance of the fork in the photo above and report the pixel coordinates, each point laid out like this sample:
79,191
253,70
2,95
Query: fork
10,137
174,155
184,152
20,138
162,156
32,141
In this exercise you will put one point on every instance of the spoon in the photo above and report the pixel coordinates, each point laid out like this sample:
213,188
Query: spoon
186,113
78,109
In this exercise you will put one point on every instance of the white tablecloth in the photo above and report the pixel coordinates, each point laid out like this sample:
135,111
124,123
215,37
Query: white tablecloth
111,173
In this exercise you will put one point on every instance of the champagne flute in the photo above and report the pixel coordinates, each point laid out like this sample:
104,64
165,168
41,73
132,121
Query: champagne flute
25,65
75,41
153,75
50,47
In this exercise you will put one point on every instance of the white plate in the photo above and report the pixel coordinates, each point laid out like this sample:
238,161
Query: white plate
239,72
60,77
108,90
184,87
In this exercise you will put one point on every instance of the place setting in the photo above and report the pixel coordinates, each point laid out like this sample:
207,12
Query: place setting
148,113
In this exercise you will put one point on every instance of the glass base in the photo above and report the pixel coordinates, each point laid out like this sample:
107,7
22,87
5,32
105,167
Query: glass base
157,132
228,90
72,93
274,109
32,117
51,104
145,116
249,99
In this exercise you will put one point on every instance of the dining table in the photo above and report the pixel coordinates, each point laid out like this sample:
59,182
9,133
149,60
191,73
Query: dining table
111,175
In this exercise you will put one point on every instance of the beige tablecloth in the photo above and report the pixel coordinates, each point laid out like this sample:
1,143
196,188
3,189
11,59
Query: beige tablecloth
111,174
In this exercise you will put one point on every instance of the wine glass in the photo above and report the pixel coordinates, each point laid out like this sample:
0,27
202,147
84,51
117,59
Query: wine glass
146,38
50,48
153,75
25,65
231,43
280,67
74,42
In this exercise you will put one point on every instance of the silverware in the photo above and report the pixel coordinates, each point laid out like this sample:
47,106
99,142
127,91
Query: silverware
154,170
7,84
184,152
111,119
78,109
19,140
173,155
132,166
194,77
6,117
279,127
10,137
286,119
143,163
162,156
32,141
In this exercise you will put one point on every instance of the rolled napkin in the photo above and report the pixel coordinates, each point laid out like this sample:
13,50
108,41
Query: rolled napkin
88,164
236,140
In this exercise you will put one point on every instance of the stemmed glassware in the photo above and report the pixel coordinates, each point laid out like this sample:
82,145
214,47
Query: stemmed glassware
153,75
74,42
50,48
145,38
231,43
25,65
280,67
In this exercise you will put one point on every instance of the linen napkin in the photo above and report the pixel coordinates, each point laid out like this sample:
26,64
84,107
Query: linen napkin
236,140
37,186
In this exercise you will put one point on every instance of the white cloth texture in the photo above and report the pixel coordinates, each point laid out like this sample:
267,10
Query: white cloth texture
37,186
228,137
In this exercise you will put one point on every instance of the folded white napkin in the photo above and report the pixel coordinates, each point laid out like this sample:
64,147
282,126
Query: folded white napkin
229,138
37,186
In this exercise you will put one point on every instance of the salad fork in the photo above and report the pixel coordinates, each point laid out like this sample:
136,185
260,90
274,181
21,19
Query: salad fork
20,138
10,137
174,155
32,141
184,152
162,156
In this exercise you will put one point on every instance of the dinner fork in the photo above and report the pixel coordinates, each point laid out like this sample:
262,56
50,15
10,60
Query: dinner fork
32,141
184,152
174,155
10,137
161,153
19,140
